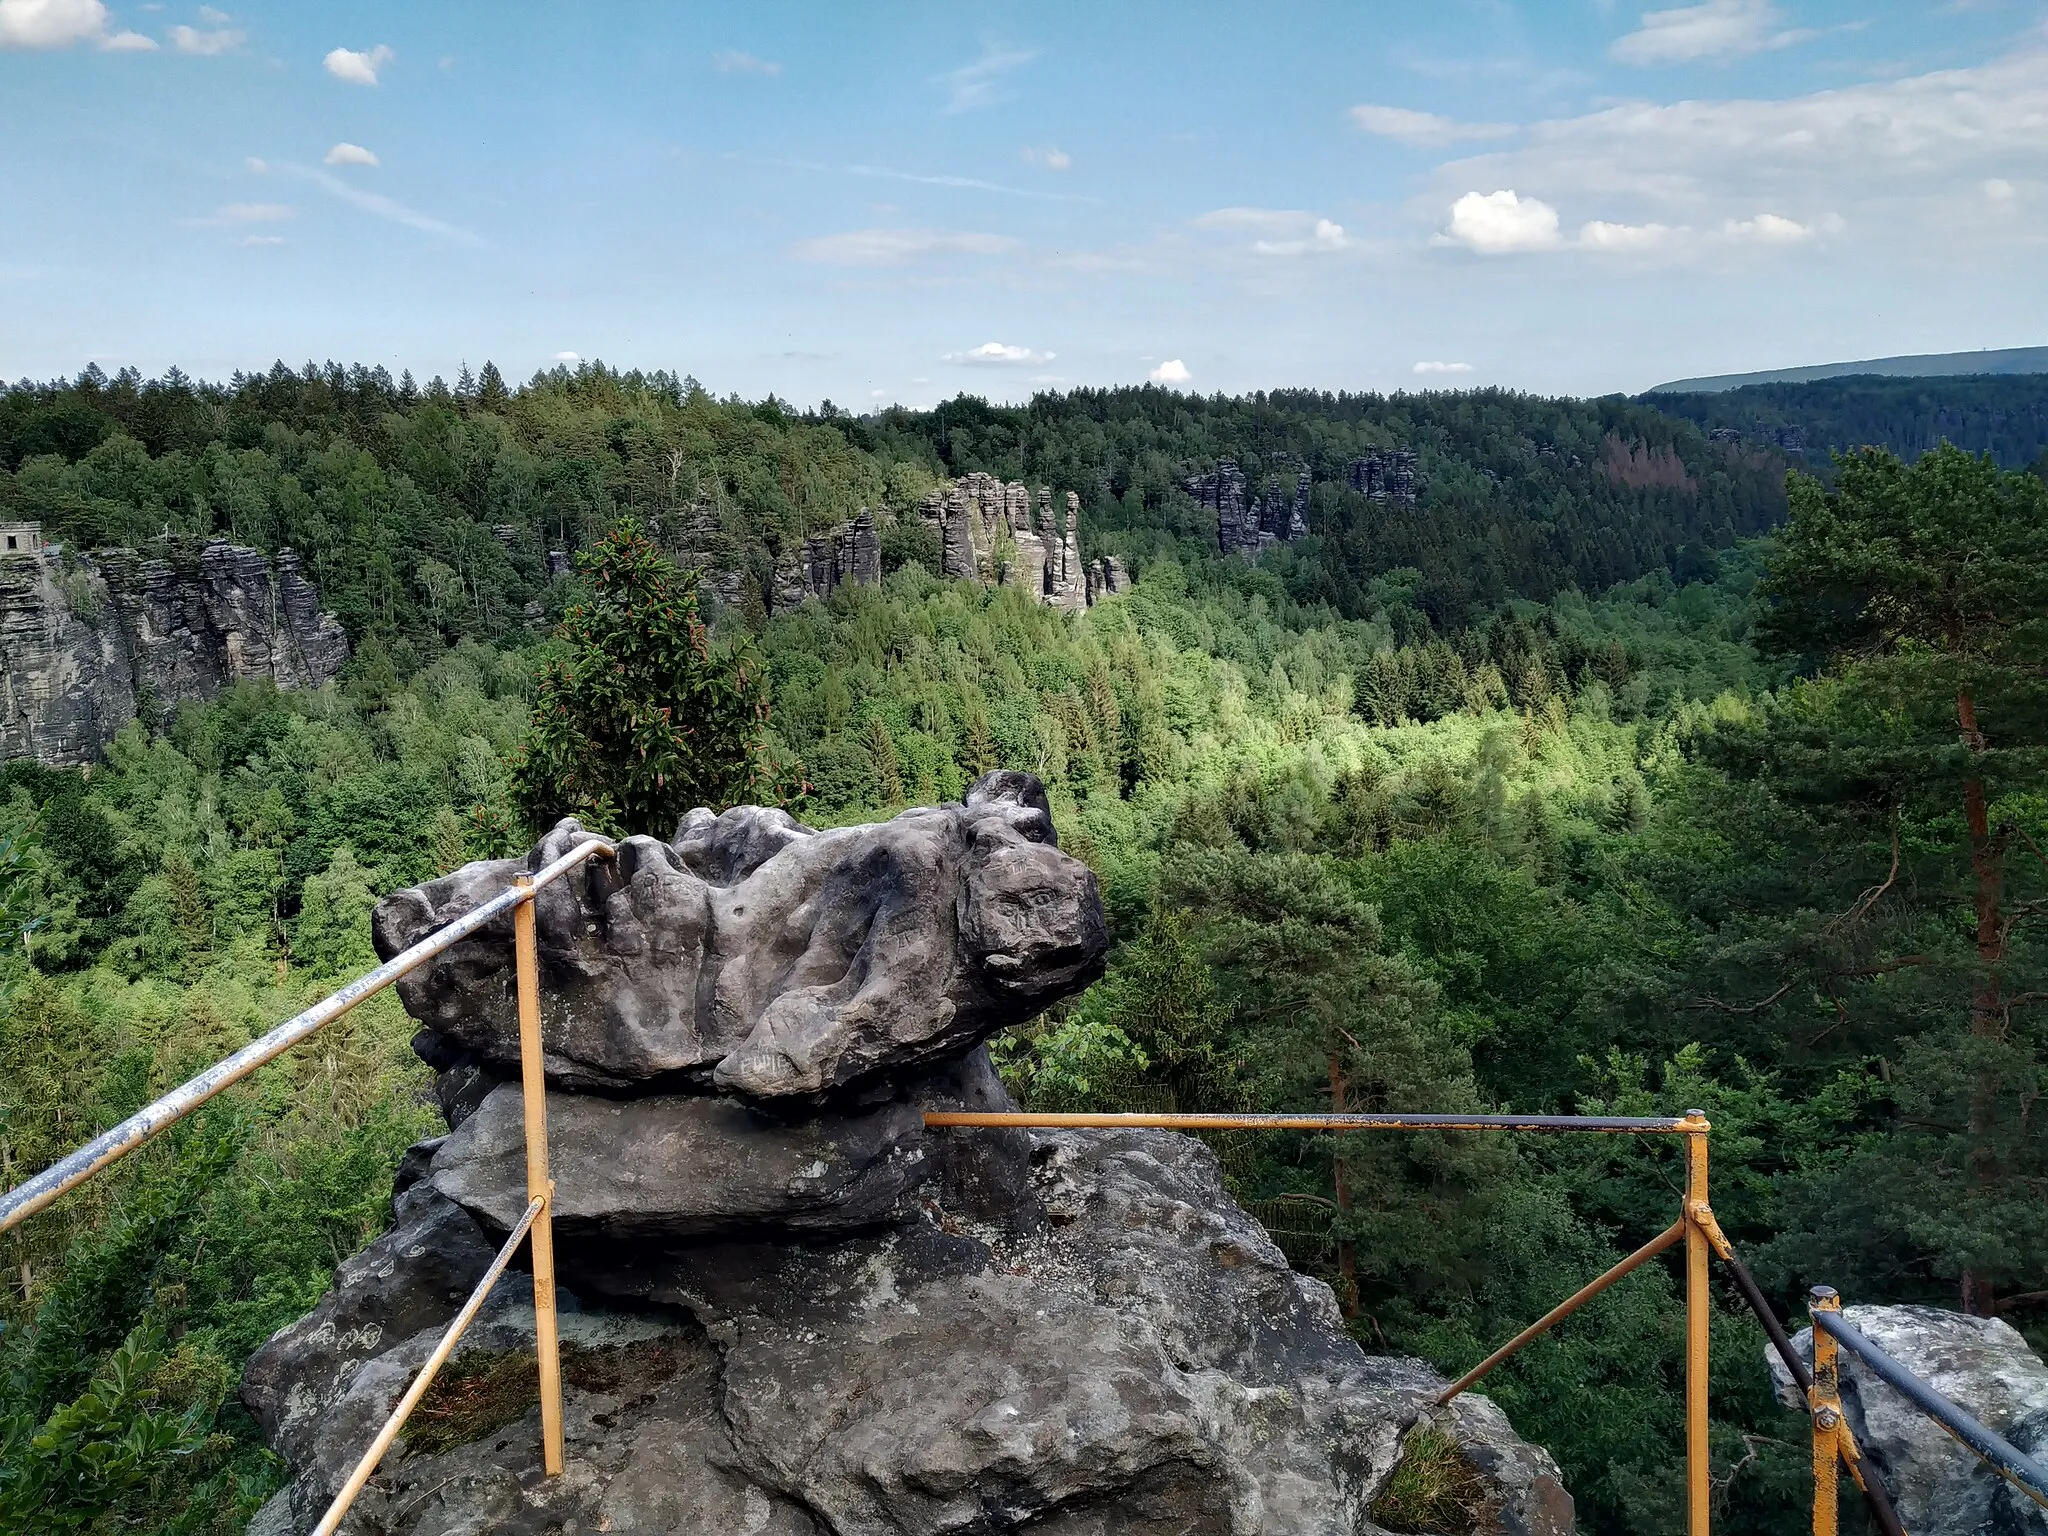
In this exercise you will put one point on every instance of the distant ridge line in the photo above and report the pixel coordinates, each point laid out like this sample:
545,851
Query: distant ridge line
1926,365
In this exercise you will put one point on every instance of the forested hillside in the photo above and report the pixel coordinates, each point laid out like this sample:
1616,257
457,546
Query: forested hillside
2006,417
1493,802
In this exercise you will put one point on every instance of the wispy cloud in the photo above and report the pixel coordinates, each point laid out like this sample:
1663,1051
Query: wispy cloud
1052,157
730,61
1282,231
1411,127
996,352
229,214
983,83
1718,29
61,23
206,44
1896,156
1434,367
893,247
566,357
886,173
259,241
350,154
358,66
380,206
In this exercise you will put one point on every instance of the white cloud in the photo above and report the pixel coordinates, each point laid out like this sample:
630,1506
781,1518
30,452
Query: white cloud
980,84
206,44
1719,29
350,154
1767,229
1998,189
1433,367
358,67
1893,155
255,165
892,247
567,357
262,240
1600,235
214,18
60,23
1326,236
997,352
1172,371
1412,127
730,61
1495,223
1052,157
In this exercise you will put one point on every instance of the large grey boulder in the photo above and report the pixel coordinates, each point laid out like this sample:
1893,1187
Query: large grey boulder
1136,1357
684,1165
1980,1364
788,1307
756,957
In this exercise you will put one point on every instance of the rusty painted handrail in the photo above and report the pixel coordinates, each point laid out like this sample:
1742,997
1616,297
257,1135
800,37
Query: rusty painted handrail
1695,1227
1617,1125
331,1521
23,1201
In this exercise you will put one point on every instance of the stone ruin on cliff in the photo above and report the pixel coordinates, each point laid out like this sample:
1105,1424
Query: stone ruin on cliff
789,1307
86,639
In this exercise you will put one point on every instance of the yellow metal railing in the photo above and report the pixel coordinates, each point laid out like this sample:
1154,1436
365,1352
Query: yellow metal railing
1695,1227
536,1225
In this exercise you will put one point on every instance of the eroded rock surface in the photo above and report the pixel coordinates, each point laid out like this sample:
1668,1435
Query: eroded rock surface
1982,1365
789,1308
756,957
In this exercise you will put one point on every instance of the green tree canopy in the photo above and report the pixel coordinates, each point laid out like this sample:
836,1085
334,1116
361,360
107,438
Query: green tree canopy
644,718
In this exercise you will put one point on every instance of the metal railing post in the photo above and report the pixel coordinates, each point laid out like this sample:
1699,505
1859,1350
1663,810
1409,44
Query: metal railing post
1825,1398
1698,1316
533,1089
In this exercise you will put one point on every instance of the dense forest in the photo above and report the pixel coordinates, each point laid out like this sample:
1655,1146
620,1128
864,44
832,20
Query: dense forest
1574,787
2005,416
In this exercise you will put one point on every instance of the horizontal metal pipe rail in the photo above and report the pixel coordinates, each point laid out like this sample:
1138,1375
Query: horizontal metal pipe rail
331,1521
1993,1449
1617,1125
104,1150
1695,1227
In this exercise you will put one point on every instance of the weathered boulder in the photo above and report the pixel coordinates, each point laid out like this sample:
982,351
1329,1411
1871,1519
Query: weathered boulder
788,1307
1983,1366
684,1165
754,956
1131,1355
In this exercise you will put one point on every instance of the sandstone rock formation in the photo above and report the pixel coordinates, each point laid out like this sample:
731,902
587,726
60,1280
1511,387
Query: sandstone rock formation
1279,515
1388,475
1980,1364
85,640
789,1308
989,533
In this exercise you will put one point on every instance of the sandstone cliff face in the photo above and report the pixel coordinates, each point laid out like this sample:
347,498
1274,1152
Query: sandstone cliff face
990,533
86,642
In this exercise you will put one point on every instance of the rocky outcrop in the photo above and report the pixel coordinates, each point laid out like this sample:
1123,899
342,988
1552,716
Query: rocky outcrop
1384,475
849,554
1978,1363
757,957
1106,578
1249,527
989,533
88,641
793,1312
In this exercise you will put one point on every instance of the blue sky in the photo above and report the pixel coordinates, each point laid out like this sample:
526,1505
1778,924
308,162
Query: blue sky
898,202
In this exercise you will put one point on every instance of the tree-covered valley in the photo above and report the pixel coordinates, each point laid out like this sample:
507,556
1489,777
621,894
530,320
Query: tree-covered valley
1580,782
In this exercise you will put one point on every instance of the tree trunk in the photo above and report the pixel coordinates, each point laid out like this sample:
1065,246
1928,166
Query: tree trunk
1347,1251
1987,1005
